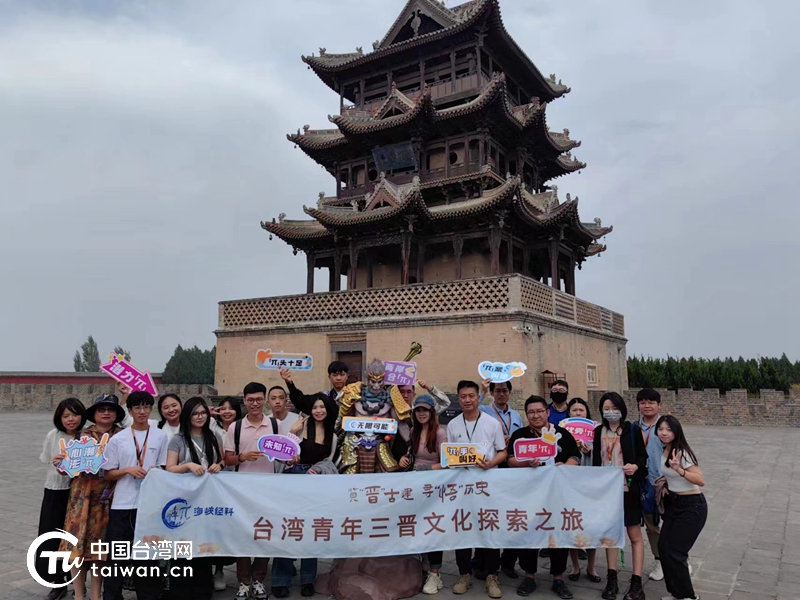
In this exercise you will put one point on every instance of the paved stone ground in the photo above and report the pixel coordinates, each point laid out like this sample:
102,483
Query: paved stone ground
749,549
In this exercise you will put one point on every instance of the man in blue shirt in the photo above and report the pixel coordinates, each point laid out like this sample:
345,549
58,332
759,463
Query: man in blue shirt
509,419
649,403
558,402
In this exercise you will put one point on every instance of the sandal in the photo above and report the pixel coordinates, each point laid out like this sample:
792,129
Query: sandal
575,576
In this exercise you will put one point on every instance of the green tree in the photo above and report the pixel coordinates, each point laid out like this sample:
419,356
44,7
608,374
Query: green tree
119,350
88,359
190,365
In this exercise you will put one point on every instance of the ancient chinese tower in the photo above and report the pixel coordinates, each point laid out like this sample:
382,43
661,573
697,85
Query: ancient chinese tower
444,222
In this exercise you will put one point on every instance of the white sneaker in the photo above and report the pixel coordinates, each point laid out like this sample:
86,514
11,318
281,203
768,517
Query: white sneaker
433,584
243,593
219,581
657,574
259,591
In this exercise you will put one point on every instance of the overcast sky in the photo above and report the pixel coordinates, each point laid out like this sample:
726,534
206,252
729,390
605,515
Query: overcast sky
142,142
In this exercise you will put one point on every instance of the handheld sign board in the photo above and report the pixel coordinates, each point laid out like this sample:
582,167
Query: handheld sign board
369,425
460,455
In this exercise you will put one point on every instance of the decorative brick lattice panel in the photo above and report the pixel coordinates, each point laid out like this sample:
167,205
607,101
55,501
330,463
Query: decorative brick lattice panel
424,299
588,314
565,306
606,320
536,297
618,323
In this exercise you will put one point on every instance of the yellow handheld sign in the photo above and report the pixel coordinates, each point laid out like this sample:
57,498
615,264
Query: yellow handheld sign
460,455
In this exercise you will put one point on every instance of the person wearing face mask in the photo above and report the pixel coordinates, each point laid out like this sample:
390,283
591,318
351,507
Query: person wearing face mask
618,443
558,402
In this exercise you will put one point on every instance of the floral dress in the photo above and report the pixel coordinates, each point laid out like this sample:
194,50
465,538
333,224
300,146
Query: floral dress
88,508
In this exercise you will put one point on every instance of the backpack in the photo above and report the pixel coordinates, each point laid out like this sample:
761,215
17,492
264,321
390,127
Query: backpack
647,493
237,434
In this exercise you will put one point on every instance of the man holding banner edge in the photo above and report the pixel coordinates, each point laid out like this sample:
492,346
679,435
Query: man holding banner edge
536,410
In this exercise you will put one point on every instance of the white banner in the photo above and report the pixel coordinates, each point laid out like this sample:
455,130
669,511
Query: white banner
334,516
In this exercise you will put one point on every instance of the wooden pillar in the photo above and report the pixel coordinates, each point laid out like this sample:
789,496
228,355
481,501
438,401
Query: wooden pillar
405,250
553,251
369,270
478,47
420,261
494,246
458,247
341,97
570,284
491,66
337,271
526,261
446,158
338,180
452,71
352,279
421,76
332,278
361,99
310,264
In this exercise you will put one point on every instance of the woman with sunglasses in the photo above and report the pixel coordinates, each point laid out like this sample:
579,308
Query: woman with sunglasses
90,499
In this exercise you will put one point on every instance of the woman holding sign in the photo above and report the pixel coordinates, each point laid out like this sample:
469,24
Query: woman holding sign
69,419
618,443
90,498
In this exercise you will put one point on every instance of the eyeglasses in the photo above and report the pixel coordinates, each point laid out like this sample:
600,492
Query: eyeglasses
254,401
536,412
200,413
141,408
104,409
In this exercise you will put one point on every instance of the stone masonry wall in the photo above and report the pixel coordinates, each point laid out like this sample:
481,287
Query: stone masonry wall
45,397
708,407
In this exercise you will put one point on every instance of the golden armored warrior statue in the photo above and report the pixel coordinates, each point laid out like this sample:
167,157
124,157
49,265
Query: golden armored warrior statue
370,452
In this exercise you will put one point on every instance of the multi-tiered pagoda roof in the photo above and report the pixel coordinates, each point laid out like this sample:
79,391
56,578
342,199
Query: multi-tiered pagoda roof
482,152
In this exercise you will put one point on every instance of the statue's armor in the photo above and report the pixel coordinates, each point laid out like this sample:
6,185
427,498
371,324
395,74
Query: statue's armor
366,452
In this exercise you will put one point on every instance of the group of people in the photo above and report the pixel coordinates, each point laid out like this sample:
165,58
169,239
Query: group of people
661,474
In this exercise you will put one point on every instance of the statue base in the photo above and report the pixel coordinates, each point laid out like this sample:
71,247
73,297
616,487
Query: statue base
375,578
